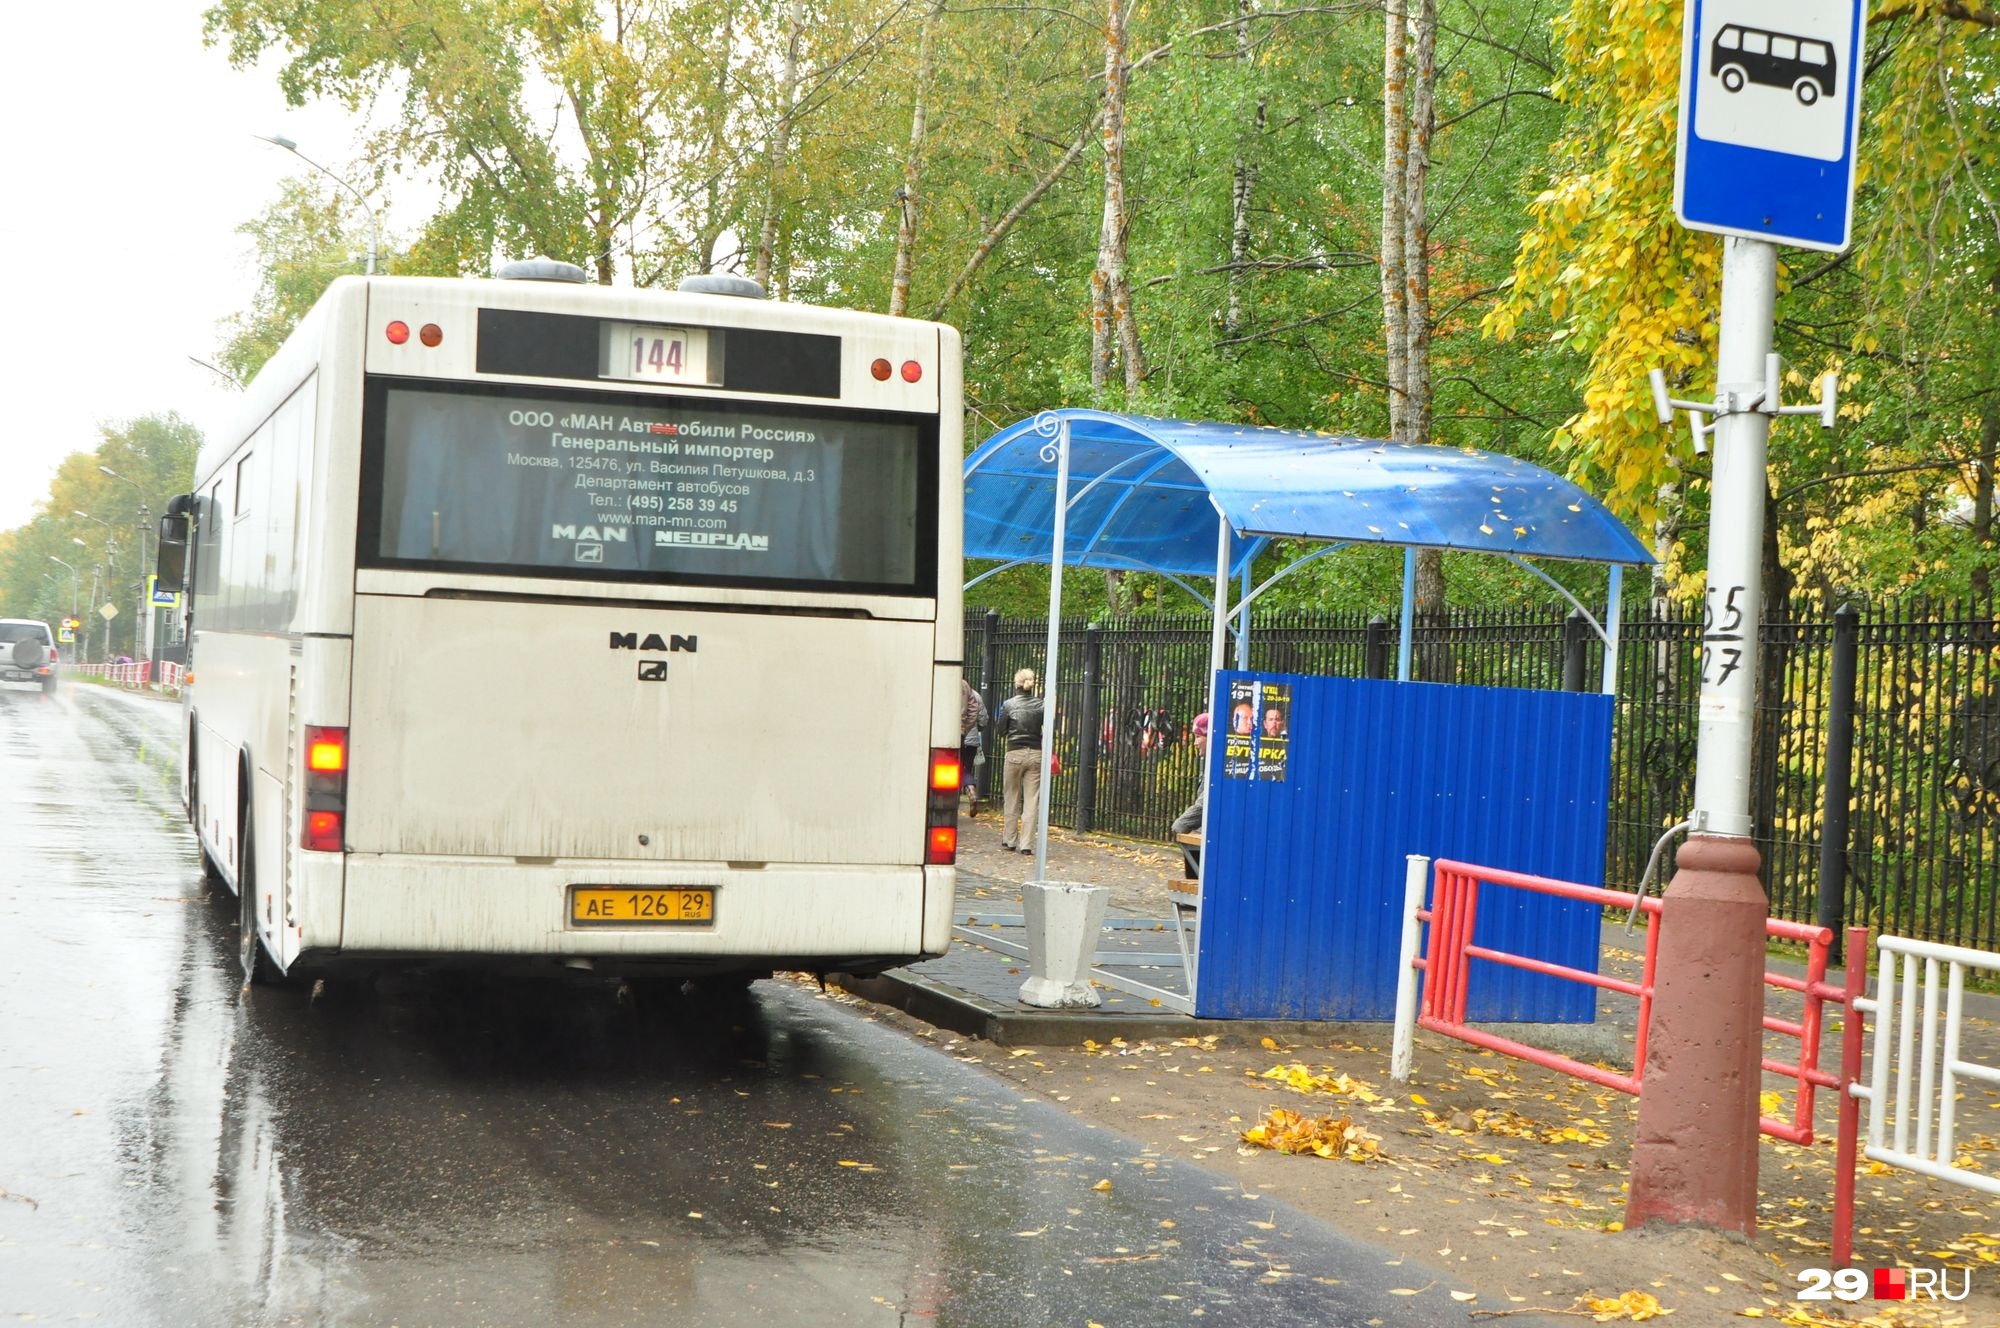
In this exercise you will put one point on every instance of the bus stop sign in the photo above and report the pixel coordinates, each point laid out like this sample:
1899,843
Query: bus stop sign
1770,111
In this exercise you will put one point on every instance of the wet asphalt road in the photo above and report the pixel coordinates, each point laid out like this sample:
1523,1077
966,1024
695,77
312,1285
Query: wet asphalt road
447,1151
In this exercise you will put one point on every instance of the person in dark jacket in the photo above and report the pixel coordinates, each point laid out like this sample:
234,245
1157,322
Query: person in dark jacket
971,719
1019,726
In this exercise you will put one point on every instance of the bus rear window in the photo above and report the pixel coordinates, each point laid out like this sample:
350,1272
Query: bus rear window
597,487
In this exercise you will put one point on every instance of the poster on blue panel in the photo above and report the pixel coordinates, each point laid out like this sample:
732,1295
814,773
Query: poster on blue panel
1260,729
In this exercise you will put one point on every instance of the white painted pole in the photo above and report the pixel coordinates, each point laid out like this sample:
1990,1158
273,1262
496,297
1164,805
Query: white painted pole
1878,1064
1051,661
1927,1061
1954,1014
1243,624
1416,874
1612,613
1734,604
1218,730
1409,613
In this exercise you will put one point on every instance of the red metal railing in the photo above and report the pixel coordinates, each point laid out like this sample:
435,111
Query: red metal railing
1446,964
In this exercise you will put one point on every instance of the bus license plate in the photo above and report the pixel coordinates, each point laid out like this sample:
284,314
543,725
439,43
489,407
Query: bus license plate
626,905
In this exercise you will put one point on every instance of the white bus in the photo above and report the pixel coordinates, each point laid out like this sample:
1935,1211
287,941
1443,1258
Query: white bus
541,622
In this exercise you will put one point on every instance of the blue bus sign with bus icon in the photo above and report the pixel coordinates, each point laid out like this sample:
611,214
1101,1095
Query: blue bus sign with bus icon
1770,112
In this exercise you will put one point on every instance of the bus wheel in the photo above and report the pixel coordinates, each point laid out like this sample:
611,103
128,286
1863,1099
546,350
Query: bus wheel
1732,78
258,970
1806,91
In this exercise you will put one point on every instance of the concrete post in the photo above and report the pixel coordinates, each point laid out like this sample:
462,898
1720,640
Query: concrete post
1063,920
1695,1159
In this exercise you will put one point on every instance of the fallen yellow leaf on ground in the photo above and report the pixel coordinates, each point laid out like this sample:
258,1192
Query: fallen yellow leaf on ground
1327,1136
1632,1307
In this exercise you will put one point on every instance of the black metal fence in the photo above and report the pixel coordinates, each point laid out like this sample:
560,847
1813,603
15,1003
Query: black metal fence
1875,776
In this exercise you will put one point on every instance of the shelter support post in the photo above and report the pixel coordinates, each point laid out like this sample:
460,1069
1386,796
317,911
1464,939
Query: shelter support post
1409,613
1051,663
1243,622
1616,595
1695,1160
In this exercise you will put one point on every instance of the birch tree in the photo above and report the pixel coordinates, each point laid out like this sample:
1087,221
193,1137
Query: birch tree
1111,312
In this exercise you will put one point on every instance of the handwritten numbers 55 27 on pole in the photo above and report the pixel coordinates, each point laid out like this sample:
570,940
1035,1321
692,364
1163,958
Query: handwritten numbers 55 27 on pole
1721,639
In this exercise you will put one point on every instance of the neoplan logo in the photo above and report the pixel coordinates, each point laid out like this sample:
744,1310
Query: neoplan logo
671,644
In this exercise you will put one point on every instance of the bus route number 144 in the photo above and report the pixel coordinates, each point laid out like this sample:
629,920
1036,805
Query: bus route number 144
659,354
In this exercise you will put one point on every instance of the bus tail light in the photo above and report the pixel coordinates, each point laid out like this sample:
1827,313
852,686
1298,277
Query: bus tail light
326,789
943,847
941,837
324,831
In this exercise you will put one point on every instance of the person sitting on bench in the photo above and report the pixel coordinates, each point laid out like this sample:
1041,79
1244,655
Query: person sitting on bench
1189,821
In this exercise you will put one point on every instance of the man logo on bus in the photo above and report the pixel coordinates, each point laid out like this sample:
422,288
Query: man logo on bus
1774,60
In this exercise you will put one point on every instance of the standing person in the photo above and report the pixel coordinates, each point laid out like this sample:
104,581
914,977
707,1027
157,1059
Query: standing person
971,719
1020,727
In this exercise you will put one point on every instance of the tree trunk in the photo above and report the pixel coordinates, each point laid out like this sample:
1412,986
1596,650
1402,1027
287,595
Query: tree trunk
1982,497
906,226
781,142
710,232
998,230
1111,312
1395,169
1417,230
1244,186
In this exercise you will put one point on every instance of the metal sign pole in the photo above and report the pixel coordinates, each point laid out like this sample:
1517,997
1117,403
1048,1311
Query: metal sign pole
1769,118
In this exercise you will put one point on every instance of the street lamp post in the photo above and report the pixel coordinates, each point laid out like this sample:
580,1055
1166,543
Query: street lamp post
140,647
75,586
374,236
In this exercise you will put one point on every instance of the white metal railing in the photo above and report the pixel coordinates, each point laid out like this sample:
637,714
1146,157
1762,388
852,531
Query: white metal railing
1937,1066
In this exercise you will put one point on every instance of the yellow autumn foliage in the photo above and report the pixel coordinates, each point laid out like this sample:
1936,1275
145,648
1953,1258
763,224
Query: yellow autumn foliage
1335,1137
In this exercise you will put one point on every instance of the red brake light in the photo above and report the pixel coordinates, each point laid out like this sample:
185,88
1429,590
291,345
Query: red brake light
430,334
325,827
945,772
326,751
943,846
398,332
323,831
881,369
912,371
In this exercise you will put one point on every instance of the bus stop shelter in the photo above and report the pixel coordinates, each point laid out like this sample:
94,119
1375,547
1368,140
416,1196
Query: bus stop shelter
1198,502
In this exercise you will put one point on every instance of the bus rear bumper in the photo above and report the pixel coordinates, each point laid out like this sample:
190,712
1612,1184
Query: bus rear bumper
413,905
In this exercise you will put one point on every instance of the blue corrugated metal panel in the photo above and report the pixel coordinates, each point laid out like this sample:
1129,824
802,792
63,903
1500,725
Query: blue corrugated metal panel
1300,910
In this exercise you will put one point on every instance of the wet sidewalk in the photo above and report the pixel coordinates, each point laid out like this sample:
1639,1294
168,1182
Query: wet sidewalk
974,989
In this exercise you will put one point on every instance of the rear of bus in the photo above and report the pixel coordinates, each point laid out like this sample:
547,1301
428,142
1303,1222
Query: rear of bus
655,640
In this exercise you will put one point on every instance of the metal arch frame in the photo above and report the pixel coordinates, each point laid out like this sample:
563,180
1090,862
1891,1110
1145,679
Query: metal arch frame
1607,631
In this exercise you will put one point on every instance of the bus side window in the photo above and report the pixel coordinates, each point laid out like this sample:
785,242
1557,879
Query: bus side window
1785,48
1814,53
208,542
1729,38
1757,43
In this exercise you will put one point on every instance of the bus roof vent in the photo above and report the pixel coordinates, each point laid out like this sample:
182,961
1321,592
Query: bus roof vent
543,269
720,283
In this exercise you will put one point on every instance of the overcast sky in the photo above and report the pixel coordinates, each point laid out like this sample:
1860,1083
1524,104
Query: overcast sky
127,164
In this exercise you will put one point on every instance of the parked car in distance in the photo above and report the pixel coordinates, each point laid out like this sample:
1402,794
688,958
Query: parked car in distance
27,652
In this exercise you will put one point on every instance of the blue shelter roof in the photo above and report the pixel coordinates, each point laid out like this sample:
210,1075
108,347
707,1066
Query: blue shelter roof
1144,493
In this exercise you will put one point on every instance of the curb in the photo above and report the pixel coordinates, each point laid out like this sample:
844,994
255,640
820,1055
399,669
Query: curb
968,1015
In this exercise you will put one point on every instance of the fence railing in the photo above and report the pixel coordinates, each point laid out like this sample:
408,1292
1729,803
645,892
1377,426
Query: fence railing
1915,1072
1876,772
